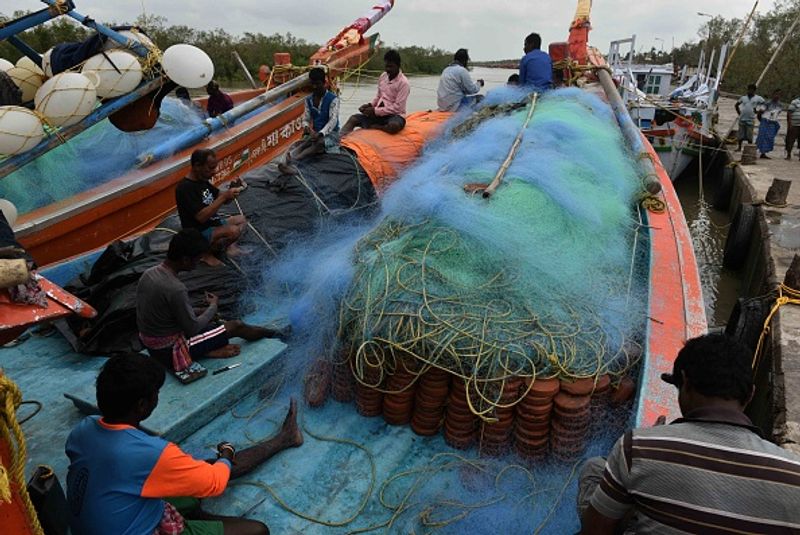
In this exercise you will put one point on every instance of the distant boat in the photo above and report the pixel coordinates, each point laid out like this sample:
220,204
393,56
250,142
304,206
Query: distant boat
678,122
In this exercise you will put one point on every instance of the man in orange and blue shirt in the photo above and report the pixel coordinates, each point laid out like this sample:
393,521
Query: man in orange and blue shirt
119,476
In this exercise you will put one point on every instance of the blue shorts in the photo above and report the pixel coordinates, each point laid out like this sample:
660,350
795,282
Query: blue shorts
209,231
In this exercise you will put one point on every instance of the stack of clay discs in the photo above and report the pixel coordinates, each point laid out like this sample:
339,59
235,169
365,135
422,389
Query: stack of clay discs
431,397
495,436
369,400
533,412
623,392
571,416
343,381
600,400
317,383
460,424
398,403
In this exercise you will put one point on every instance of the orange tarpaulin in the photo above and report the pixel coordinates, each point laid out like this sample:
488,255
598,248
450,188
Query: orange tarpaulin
383,156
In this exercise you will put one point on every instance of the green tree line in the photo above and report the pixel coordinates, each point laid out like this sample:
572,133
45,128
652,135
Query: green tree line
255,49
760,41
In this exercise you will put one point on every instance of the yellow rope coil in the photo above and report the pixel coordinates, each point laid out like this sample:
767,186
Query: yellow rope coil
786,296
654,204
11,433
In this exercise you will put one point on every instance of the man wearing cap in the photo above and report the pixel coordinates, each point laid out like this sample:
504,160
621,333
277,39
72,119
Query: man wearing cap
456,88
707,472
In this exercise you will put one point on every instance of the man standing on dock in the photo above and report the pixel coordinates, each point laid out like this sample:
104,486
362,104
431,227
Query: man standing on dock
387,109
793,132
746,108
536,67
456,88
707,472
123,480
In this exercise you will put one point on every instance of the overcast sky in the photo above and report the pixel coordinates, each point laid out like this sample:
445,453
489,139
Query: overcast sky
491,29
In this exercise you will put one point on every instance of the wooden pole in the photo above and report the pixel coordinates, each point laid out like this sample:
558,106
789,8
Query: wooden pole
244,68
778,192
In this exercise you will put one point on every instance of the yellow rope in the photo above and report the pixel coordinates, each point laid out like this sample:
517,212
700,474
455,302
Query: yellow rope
786,296
11,433
654,204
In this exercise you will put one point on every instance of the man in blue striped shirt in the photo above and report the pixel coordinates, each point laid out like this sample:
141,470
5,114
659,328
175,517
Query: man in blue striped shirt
707,472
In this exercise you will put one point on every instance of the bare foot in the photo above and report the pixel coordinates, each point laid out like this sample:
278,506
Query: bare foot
290,429
234,250
226,352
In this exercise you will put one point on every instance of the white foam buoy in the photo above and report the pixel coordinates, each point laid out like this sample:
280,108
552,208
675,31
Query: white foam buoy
5,64
139,37
188,66
20,130
9,211
113,82
27,80
66,98
27,63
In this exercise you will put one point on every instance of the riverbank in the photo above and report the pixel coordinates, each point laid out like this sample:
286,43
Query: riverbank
774,241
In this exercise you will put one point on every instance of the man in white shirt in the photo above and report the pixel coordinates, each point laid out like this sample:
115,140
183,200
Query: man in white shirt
793,120
456,88
746,108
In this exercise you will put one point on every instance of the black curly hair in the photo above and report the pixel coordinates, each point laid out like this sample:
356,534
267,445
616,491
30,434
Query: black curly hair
124,380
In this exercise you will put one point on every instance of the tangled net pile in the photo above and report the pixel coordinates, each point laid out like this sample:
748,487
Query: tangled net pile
539,281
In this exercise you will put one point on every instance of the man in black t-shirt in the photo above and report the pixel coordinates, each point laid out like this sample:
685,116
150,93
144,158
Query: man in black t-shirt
199,202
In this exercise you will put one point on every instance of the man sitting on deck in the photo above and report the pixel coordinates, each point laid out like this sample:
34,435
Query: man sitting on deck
535,67
708,472
169,327
456,88
218,101
123,481
386,110
198,202
320,122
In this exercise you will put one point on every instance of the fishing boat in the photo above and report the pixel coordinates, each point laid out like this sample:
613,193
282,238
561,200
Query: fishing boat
678,122
358,472
136,196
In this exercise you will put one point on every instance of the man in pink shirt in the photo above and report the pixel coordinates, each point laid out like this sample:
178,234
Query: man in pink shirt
386,110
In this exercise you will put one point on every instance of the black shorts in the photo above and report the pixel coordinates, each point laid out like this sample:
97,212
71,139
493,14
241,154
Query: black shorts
199,346
380,120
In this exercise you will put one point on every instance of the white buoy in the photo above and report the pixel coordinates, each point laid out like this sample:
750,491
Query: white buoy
5,64
139,37
27,80
9,211
27,63
66,98
20,130
114,82
188,66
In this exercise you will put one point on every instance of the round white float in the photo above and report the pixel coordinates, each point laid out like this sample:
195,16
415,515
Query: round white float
20,130
66,98
110,44
9,211
27,63
188,66
113,83
5,64
27,80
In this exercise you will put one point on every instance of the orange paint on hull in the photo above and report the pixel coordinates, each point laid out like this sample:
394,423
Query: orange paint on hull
676,301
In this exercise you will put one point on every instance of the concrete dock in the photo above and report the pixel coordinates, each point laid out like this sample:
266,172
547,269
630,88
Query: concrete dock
775,241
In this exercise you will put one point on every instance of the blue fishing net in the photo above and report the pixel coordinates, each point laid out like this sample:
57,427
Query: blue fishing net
94,157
